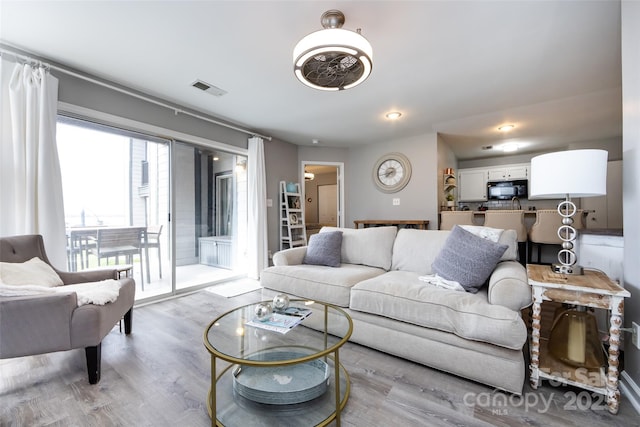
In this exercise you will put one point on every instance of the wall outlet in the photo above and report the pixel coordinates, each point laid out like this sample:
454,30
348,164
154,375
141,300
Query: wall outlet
635,334
396,202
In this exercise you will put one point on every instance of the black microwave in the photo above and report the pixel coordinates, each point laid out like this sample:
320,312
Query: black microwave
506,190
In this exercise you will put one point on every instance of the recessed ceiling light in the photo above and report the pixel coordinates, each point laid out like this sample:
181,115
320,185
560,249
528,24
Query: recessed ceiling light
394,115
314,141
510,147
506,128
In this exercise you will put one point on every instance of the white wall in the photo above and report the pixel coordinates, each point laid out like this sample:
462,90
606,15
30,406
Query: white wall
631,176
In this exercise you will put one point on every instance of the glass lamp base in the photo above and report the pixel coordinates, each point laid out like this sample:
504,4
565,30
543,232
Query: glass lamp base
574,340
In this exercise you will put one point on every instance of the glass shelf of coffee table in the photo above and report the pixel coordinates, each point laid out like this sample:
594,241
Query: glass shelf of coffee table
235,346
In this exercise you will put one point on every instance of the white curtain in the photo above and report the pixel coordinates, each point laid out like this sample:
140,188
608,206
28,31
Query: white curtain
31,191
257,227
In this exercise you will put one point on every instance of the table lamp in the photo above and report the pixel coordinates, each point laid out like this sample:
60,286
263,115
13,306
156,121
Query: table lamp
567,174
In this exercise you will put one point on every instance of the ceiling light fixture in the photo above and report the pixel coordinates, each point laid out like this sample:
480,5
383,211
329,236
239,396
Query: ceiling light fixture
395,115
332,59
308,176
506,128
510,147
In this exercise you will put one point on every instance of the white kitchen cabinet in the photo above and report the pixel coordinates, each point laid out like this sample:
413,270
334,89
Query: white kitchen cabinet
498,174
518,172
472,185
507,173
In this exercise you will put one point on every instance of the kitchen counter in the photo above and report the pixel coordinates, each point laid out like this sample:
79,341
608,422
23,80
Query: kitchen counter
618,232
529,217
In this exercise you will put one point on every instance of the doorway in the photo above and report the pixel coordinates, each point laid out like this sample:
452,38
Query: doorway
322,186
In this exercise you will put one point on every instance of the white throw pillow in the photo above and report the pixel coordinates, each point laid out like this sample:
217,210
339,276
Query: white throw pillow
32,272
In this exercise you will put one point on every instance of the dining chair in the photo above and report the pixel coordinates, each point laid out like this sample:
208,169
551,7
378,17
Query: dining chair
545,230
450,218
509,220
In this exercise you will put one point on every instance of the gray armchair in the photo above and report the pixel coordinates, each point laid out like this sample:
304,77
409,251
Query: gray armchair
40,324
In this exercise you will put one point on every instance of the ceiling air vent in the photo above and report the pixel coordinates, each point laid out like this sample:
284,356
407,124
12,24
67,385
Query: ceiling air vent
487,147
208,88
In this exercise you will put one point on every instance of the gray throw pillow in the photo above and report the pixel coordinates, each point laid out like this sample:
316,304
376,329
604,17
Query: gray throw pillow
468,259
324,249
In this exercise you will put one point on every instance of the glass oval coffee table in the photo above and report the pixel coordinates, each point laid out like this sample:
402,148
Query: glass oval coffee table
269,378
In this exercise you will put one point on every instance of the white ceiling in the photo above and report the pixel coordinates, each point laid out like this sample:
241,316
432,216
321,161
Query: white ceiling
552,68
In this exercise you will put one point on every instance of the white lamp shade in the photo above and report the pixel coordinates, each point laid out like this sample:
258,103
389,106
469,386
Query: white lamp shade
577,173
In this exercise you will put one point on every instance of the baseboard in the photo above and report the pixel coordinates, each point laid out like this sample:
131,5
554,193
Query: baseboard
631,390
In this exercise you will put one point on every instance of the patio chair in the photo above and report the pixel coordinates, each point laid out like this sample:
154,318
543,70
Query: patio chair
45,323
124,241
153,242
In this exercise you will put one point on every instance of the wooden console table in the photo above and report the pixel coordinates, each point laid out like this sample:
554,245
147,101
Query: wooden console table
593,289
420,224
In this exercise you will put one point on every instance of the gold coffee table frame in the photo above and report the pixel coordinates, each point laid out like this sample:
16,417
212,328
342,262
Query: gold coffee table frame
331,343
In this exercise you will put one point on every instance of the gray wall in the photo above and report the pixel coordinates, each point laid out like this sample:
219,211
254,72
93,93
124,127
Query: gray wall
89,95
631,176
418,200
281,163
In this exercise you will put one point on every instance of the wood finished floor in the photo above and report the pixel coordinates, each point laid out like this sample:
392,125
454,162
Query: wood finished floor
159,376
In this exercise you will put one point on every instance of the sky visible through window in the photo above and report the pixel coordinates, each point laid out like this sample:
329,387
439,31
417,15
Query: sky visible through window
95,176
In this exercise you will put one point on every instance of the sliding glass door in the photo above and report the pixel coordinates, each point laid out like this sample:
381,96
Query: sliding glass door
187,203
116,201
210,215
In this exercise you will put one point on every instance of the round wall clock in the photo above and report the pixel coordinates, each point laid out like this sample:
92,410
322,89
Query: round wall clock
392,172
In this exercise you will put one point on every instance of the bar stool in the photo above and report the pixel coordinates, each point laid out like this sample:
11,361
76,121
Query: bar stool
545,230
450,218
509,220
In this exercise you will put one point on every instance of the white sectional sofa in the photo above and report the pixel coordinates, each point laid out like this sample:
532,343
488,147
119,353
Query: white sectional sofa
479,336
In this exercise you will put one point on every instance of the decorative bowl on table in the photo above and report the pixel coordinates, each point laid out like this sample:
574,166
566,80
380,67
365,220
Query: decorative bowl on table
281,385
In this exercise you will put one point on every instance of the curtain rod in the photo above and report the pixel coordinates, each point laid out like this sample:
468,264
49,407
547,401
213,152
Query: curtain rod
127,92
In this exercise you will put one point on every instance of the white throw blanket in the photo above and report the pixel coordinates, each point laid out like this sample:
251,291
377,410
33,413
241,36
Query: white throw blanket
488,233
435,280
98,293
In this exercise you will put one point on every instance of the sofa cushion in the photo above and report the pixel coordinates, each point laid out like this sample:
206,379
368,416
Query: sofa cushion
415,250
324,249
400,295
468,259
317,282
32,272
366,246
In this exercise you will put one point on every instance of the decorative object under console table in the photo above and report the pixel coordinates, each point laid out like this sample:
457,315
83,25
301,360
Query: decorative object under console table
593,289
420,224
267,378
